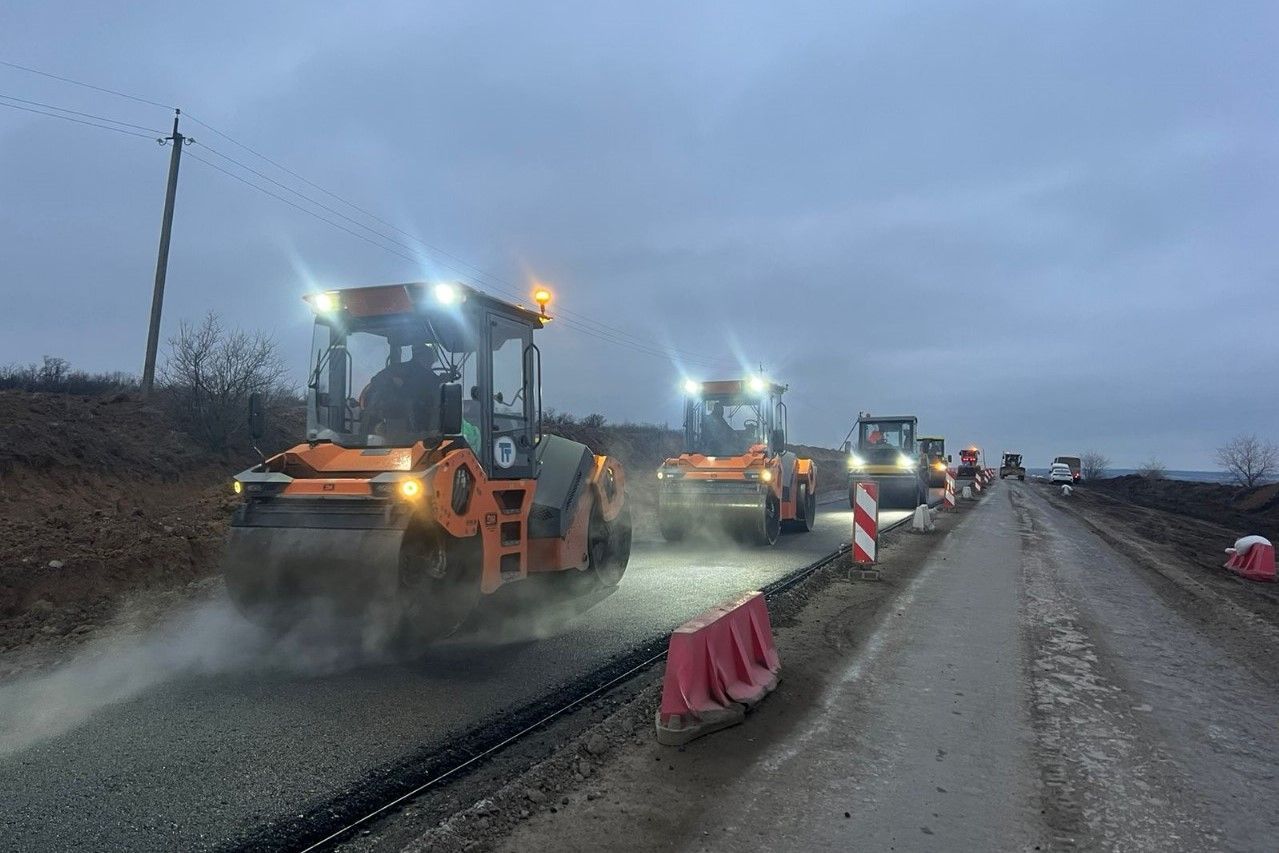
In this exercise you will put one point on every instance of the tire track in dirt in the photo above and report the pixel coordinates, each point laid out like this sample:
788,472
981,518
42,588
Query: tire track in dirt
1105,783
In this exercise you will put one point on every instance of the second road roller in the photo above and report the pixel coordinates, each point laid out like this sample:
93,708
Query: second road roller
735,474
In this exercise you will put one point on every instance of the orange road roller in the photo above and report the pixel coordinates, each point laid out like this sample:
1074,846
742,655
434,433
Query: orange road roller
425,482
735,474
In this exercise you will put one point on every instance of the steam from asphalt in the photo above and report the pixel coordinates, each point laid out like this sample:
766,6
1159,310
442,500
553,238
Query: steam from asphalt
201,639
210,637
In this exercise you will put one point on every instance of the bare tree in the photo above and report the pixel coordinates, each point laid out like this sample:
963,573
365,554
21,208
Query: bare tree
1094,464
1249,460
1153,470
209,374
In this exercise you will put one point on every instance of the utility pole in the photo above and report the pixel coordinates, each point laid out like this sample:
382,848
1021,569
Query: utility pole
162,260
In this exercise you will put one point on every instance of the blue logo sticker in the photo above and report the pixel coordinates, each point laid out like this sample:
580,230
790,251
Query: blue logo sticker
504,452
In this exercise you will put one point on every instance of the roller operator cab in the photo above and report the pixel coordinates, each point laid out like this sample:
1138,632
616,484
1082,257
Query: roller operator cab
888,453
933,449
969,463
735,474
424,482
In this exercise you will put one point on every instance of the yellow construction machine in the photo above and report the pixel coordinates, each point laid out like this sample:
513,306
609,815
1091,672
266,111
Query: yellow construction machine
933,448
888,453
1010,466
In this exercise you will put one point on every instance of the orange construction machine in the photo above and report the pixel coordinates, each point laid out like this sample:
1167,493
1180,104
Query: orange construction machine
424,482
735,473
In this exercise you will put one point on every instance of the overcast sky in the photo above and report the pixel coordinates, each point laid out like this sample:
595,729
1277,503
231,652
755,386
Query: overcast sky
1049,226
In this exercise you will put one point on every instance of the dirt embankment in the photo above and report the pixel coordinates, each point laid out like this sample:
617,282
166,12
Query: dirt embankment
98,498
1246,511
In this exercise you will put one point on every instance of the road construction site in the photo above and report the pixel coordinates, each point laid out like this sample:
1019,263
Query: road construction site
1022,686
237,751
430,595
1017,678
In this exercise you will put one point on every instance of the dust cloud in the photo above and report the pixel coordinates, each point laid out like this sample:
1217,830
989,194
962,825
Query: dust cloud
204,638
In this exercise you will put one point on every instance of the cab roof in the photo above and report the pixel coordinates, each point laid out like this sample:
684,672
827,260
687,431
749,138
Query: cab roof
418,298
719,387
886,418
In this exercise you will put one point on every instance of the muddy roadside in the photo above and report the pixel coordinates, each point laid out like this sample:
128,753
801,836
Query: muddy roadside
599,776
1187,553
1248,510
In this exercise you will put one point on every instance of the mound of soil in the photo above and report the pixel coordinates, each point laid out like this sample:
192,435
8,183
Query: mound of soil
1247,511
99,497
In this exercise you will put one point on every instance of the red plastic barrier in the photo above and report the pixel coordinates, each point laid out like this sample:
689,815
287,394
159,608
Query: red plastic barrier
1253,558
719,663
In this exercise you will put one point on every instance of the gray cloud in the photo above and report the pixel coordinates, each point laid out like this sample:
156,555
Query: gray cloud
1036,225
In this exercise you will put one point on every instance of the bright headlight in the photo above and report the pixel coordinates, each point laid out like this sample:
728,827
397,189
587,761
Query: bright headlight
766,476
692,387
445,294
905,461
758,384
855,461
410,488
325,303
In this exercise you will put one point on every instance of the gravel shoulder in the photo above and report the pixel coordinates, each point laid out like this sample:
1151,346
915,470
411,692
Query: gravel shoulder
604,781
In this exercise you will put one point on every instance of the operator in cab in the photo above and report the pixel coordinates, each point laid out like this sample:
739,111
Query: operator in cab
718,437
404,397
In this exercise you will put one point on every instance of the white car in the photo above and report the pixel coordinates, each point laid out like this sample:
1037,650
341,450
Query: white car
1060,473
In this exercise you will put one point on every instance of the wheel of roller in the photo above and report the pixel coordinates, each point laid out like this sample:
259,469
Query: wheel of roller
768,523
808,506
609,546
673,529
439,586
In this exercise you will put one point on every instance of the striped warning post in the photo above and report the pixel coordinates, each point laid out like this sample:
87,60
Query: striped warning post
865,523
977,485
948,495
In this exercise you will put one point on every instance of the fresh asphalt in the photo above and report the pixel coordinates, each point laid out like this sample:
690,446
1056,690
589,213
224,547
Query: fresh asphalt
210,743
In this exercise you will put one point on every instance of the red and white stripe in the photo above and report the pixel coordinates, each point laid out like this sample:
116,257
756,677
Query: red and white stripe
865,522
977,484
949,494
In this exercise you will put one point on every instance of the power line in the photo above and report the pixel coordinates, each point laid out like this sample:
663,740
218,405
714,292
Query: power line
573,319
297,206
76,120
78,113
307,198
465,268
600,333
644,349
87,85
